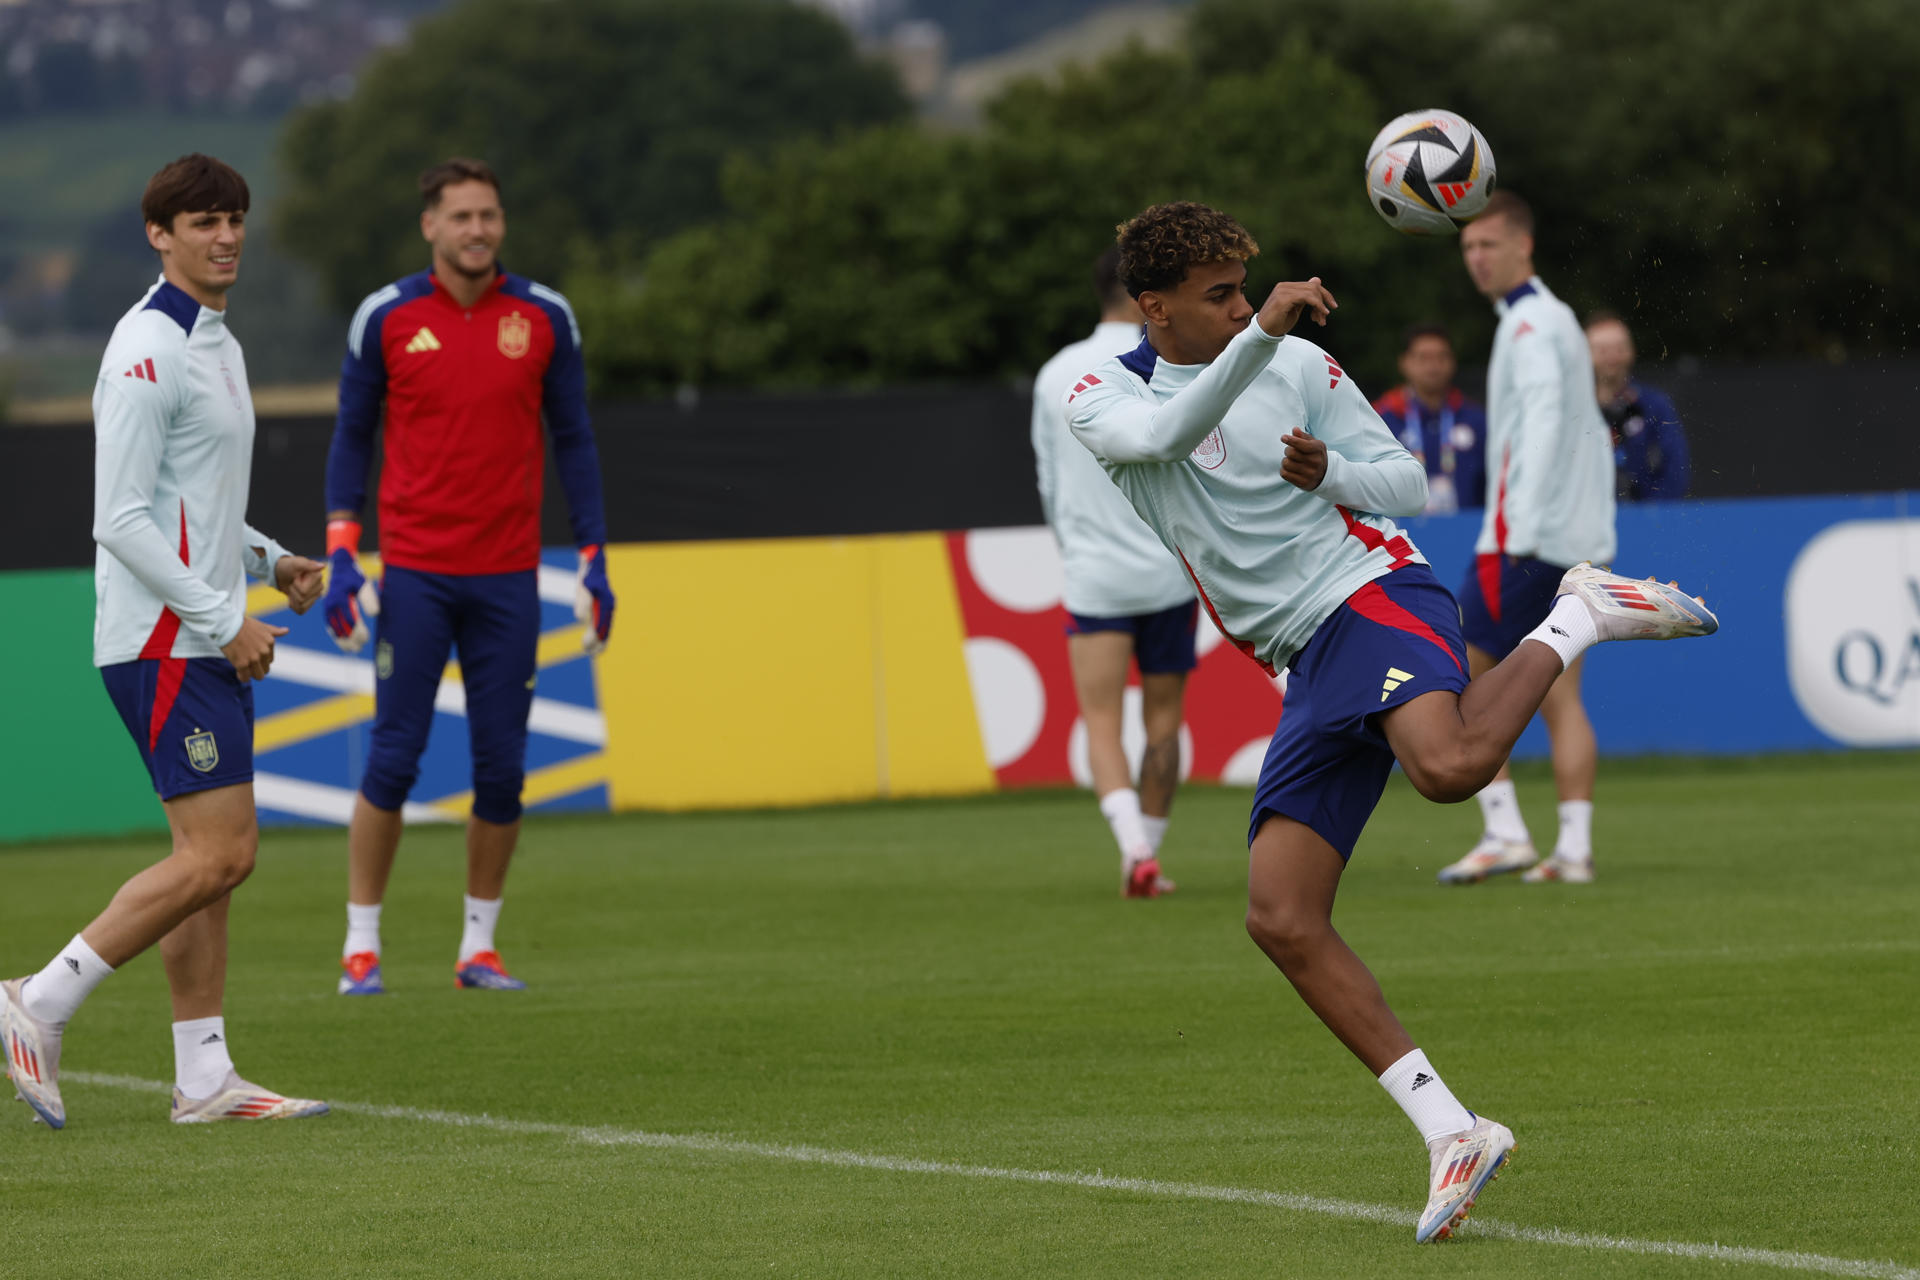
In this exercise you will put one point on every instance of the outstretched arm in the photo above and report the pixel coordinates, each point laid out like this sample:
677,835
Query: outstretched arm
1119,428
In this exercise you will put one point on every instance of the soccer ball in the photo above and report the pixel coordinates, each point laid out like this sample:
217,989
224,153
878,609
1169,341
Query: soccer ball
1429,173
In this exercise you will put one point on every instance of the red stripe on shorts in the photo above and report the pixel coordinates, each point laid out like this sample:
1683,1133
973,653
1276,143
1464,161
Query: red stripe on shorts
165,693
1488,568
1374,604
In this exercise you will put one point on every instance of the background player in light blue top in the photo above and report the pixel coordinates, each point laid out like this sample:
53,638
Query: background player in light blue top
1127,598
1262,467
173,428
1549,506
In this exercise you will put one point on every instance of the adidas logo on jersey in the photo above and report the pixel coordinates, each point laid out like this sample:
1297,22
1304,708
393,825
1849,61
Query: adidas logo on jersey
1395,678
143,371
1334,371
424,341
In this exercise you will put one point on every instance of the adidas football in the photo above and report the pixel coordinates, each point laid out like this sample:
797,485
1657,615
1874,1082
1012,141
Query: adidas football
1429,173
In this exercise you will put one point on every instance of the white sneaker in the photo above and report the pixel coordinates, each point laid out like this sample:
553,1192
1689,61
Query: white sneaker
1635,609
1559,870
32,1050
1461,1168
238,1100
1491,857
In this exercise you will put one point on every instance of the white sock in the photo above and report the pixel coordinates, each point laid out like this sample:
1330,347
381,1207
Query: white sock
54,994
1568,630
1156,831
200,1057
1122,810
482,916
1576,831
363,930
1500,808
1416,1086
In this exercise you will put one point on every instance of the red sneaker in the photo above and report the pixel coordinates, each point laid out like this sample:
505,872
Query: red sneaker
1145,881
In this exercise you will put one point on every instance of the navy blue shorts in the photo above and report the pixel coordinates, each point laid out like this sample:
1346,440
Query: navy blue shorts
492,620
1162,642
1393,640
1504,598
192,719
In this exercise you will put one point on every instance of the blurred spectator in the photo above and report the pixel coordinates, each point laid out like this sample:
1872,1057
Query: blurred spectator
1649,447
1437,423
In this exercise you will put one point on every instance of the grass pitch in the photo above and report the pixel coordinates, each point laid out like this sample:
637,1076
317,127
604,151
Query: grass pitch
1714,1043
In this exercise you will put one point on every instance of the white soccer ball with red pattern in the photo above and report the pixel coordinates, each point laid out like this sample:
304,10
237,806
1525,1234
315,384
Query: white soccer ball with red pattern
1429,173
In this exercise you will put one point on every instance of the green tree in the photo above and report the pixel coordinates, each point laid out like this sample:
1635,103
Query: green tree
609,122
1727,175
898,256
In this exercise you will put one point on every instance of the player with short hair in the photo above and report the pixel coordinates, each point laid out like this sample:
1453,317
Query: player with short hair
467,358
1550,487
173,430
1127,600
1264,470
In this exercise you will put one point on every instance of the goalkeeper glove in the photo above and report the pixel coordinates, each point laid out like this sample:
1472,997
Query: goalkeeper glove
593,600
350,598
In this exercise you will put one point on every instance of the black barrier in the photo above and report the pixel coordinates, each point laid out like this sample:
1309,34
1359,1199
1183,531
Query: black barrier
740,466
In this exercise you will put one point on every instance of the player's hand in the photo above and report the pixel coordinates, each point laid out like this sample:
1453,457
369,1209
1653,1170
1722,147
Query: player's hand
1305,465
351,599
301,580
1283,307
251,652
593,600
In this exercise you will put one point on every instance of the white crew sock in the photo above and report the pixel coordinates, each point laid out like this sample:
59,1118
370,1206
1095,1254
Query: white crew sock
1416,1086
363,930
200,1057
1568,630
1122,811
54,994
1156,831
477,936
1500,808
1576,831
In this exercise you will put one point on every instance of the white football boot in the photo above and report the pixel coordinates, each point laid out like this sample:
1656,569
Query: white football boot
1461,1167
32,1049
238,1100
1637,609
1491,857
1559,870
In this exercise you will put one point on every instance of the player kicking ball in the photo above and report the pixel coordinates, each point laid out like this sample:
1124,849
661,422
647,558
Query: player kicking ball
1268,475
173,426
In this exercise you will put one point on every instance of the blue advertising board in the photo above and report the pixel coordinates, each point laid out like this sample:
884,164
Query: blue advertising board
1819,607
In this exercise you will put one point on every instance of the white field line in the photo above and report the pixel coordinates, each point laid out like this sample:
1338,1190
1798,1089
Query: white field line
605,1136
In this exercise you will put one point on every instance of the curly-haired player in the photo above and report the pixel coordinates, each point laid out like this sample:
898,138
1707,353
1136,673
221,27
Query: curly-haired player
1269,476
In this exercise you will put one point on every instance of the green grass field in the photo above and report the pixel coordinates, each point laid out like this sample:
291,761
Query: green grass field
1715,1044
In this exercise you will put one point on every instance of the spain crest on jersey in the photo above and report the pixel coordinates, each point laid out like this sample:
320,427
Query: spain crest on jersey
516,335
203,753
1212,451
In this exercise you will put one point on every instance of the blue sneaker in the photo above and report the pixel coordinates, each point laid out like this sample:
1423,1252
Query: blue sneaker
482,970
362,976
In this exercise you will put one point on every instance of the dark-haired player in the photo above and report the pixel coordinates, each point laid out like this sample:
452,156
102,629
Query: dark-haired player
173,427
467,359
1264,470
